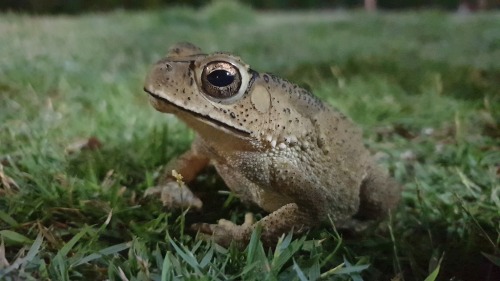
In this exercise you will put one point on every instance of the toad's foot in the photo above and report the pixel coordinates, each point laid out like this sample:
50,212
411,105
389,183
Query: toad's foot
288,218
226,231
175,196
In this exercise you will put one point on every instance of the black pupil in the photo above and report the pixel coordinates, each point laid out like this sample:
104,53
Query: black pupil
220,78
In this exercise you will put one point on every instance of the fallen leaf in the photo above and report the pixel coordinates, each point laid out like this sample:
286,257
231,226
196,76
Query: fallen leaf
91,143
7,182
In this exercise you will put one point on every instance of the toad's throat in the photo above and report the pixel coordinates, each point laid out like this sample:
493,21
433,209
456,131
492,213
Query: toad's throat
199,116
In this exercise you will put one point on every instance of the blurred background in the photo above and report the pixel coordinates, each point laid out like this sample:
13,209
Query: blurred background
79,6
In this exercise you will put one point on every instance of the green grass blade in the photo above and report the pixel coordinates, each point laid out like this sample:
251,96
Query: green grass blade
352,269
34,248
493,259
187,256
299,272
19,262
314,271
166,273
282,256
8,219
254,244
104,252
15,237
435,272
207,258
72,242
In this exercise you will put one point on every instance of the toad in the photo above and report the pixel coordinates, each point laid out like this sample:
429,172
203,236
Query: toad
273,143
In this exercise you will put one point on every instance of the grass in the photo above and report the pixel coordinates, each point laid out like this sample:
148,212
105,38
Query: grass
425,87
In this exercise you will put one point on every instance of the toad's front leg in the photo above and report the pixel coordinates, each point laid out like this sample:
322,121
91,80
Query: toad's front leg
173,192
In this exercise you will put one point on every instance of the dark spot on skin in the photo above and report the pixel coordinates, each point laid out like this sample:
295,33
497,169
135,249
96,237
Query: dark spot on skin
225,111
232,115
266,78
191,81
189,98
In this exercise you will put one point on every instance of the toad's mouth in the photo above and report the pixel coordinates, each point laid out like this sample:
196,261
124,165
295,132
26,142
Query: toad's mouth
202,117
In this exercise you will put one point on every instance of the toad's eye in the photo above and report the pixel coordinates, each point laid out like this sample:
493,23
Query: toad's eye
220,80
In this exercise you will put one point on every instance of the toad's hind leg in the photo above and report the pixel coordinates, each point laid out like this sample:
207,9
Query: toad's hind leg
287,218
284,214
379,194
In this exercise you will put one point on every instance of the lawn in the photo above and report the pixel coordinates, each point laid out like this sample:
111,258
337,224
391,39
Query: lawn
79,144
